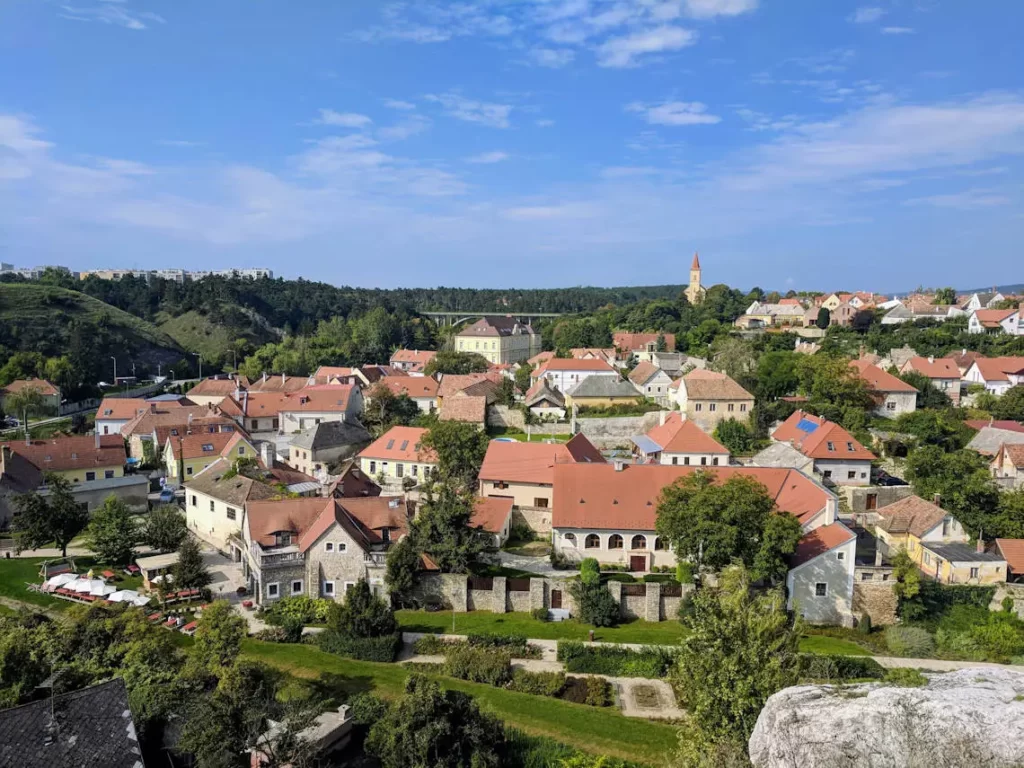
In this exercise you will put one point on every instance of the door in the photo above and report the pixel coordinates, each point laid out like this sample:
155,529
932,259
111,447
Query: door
871,501
637,563
556,598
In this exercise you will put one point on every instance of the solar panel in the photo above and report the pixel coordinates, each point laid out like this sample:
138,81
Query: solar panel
806,425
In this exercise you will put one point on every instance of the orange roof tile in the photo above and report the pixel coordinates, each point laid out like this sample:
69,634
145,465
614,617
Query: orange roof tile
820,540
491,514
413,386
419,357
599,496
196,446
997,368
1012,451
812,436
643,373
280,383
678,435
471,409
911,515
157,416
879,380
218,386
702,384
295,516
991,318
934,367
1012,426
1012,551
45,388
634,341
63,454
118,408
400,444
574,364
452,383
534,462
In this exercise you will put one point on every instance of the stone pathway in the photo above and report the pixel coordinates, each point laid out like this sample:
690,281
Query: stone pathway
539,565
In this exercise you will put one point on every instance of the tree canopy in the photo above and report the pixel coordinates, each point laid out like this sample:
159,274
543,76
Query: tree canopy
113,532
56,517
442,529
460,450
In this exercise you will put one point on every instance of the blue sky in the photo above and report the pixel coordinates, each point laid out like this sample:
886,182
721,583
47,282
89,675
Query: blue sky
811,144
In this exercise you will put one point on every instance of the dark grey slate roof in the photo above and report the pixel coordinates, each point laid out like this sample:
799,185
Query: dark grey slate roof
331,434
603,386
90,728
961,553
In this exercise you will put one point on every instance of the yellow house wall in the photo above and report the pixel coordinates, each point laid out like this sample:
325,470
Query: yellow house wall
200,463
78,475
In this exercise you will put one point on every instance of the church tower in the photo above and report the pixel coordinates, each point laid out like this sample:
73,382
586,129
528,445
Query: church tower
695,291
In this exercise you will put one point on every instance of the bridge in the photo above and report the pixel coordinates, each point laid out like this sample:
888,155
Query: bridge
462,316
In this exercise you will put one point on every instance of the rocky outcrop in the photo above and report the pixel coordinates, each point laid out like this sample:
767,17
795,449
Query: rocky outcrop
973,718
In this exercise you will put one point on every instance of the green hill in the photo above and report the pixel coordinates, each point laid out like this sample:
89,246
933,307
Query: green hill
50,320
215,334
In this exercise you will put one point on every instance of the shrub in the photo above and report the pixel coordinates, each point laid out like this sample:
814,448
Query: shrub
383,648
425,667
432,645
1007,604
559,561
540,614
684,573
864,624
292,628
308,610
537,683
624,578
515,644
909,641
660,578
272,635
814,666
590,570
479,665
599,692
594,604
905,678
651,662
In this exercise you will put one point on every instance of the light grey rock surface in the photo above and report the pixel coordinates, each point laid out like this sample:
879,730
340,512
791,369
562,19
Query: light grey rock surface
972,718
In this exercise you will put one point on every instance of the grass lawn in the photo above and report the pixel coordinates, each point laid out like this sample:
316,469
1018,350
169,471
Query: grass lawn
16,572
534,548
831,645
521,436
596,730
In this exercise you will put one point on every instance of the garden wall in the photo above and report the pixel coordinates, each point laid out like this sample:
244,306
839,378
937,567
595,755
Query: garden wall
537,518
616,430
877,600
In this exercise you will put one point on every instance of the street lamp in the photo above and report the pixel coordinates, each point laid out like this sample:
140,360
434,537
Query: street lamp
115,369
200,356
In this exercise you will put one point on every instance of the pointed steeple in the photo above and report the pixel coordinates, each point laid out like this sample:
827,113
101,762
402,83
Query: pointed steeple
696,261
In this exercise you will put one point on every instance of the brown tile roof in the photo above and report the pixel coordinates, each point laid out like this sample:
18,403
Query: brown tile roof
543,391
45,388
236,490
643,373
362,518
1011,426
219,386
352,482
535,462
400,444
471,409
328,398
991,318
413,386
573,364
702,384
207,425
879,380
911,515
17,474
418,357
540,357
820,540
599,496
452,383
1012,451
491,514
118,408
157,416
996,368
934,367
678,435
1012,551
196,446
280,383
812,435
964,358
637,341
295,516
62,454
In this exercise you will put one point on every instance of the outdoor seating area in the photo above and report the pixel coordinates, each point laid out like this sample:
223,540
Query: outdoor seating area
82,589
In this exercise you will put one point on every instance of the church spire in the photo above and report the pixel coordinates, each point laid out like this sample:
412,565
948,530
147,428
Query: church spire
696,261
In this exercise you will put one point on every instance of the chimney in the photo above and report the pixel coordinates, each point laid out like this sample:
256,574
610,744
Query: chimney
661,418
267,454
97,440
619,465
937,499
283,377
931,358
980,546
190,418
264,377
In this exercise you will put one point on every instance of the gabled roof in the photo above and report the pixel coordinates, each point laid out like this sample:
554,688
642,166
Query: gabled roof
333,398
911,515
362,518
964,358
934,367
1012,550
121,408
62,454
812,435
413,386
331,434
295,516
643,373
44,387
88,728
235,490
780,455
992,318
495,325
1014,453
574,364
219,386
1011,426
702,384
197,446
417,357
165,415
534,462
325,372
400,444
879,380
280,383
603,497
491,513
989,439
958,552
678,435
483,383
352,482
820,540
471,409
603,386
632,342
997,368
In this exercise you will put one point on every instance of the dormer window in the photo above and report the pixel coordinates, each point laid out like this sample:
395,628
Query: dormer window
174,432
849,447
47,458
831,446
207,447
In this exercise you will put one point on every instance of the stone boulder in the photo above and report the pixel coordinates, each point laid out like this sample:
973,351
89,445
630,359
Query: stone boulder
973,718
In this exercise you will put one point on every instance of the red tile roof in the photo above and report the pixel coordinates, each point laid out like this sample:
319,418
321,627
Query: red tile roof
418,357
1012,426
413,386
535,462
362,518
118,408
934,367
196,446
1012,451
221,386
879,380
702,384
574,364
638,341
997,368
295,516
643,373
471,409
599,496
325,372
157,416
329,398
1012,551
45,388
400,444
815,443
63,454
911,515
491,514
820,540
452,383
678,435
280,383
991,318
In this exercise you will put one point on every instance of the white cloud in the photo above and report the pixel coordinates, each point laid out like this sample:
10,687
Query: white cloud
343,119
488,158
624,51
544,123
897,30
183,143
706,9
867,15
108,13
549,212
968,200
403,106
404,129
675,113
554,58
472,111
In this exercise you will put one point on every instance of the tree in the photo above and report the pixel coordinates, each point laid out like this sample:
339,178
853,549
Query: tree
403,562
384,409
448,361
219,635
26,402
506,394
659,344
594,603
433,728
523,378
714,524
165,528
113,532
442,529
56,517
460,450
1010,405
945,296
776,375
1008,522
738,651
824,318
734,435
735,358
961,480
363,614
941,428
906,584
928,395
190,570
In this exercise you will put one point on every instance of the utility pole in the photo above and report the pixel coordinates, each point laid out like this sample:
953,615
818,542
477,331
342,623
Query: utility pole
199,355
115,369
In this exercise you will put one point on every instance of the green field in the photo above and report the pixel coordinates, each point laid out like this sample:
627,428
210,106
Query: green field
214,339
17,572
831,646
596,730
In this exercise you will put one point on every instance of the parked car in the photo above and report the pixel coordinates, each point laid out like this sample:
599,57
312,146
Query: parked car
168,496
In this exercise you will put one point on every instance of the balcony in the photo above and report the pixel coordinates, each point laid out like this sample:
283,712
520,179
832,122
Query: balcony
289,558
375,559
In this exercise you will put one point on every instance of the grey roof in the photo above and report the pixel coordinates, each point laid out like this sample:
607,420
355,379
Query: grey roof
989,439
603,386
780,455
645,444
495,325
233,490
962,553
546,392
88,728
673,363
331,434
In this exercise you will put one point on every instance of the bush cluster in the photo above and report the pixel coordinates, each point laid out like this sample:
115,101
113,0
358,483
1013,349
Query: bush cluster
814,666
592,691
910,641
537,683
308,610
478,665
970,632
540,614
381,648
432,645
651,662
515,644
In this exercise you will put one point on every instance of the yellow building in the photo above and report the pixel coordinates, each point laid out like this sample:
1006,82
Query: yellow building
962,564
189,455
499,340
79,459
695,291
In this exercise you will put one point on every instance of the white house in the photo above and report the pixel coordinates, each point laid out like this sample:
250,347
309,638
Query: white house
996,374
996,321
564,374
893,397
651,381
678,441
215,505
982,301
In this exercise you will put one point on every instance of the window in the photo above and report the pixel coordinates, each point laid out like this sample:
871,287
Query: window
211,505
342,546
731,406
194,501
232,513
415,470
851,475
188,470
174,432
714,461
297,587
329,546
90,475
569,539
540,502
399,470
675,459
743,407
712,406
827,474
207,447
241,450
373,467
703,460
638,542
328,589
831,446
945,528
615,541
686,461
696,406
593,541
849,447
866,576
820,589
840,556
74,455
349,585
974,573
890,405
927,557
273,590
660,544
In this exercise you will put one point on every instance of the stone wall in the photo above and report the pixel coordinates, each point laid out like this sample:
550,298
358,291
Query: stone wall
877,600
1013,591
669,608
856,497
614,431
451,589
537,518
480,600
634,607
503,416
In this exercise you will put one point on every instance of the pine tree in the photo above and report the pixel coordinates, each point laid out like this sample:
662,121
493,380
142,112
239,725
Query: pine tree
190,570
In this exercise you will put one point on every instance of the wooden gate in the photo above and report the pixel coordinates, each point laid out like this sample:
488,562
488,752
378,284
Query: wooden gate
637,563
556,598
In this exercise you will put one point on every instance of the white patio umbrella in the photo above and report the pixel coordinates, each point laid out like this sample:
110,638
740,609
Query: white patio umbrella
122,596
61,579
102,590
140,600
79,585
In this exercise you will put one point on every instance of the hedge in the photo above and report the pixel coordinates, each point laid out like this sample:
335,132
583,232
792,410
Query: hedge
651,662
478,665
515,644
537,683
815,666
384,648
308,610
